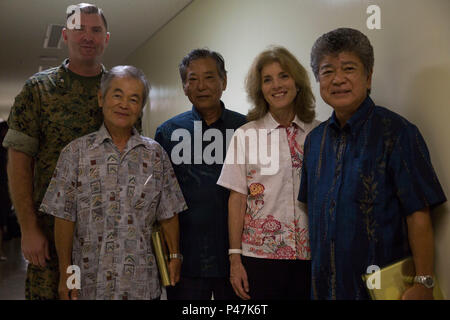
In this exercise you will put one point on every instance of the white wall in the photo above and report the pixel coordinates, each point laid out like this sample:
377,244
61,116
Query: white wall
411,76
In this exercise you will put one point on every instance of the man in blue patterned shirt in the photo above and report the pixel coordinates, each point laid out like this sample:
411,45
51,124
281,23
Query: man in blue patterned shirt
367,179
203,228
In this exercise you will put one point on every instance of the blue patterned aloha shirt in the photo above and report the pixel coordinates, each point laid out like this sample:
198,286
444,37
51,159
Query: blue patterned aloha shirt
114,198
360,183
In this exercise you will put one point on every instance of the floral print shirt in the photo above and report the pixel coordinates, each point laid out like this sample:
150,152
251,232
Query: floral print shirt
275,222
114,198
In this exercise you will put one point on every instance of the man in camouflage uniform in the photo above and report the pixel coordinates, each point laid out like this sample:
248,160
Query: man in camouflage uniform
54,107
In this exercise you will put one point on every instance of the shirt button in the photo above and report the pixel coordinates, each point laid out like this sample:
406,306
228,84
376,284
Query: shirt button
333,205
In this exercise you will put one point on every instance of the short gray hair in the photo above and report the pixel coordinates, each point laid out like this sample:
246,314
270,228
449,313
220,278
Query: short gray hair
125,71
340,40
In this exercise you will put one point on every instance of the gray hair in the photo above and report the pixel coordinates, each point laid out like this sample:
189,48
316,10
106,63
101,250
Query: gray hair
339,40
88,8
199,54
125,71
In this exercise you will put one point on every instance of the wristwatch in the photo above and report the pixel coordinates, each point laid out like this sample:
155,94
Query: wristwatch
176,256
426,280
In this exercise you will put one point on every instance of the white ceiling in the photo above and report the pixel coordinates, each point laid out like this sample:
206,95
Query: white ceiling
23,24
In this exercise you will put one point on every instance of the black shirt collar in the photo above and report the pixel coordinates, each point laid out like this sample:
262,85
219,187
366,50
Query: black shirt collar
197,116
355,123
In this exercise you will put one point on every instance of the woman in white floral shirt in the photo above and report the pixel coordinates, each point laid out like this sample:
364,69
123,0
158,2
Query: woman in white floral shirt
268,227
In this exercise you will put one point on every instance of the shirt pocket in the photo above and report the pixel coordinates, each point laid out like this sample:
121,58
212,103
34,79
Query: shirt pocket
146,198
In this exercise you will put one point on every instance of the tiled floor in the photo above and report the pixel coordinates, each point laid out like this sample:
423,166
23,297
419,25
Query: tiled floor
12,272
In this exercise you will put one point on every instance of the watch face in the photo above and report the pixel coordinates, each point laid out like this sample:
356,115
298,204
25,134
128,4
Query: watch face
428,281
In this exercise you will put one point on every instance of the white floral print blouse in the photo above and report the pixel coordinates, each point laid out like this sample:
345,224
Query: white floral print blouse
275,222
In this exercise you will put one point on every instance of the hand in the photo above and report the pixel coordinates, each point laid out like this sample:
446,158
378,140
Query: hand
174,271
418,292
35,246
64,292
238,277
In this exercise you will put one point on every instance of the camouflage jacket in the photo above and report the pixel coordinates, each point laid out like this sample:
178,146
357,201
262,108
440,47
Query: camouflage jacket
54,107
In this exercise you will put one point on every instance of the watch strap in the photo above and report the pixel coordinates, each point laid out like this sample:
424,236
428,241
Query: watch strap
176,256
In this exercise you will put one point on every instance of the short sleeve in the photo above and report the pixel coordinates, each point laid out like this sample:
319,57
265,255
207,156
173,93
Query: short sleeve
172,200
158,135
303,192
161,138
60,199
233,175
23,121
415,179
